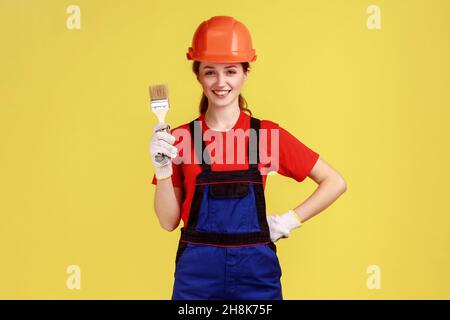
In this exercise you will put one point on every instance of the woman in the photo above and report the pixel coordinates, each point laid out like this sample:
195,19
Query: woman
226,248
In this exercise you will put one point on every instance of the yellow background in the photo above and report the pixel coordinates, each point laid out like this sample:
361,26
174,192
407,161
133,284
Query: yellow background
75,124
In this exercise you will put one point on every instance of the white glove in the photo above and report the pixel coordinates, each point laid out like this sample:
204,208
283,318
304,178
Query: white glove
161,144
281,225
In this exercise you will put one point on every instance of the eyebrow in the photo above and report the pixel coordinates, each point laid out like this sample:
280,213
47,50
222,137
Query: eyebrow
231,66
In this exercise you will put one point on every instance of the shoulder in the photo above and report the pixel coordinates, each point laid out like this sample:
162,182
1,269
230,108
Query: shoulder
182,130
184,126
269,124
273,128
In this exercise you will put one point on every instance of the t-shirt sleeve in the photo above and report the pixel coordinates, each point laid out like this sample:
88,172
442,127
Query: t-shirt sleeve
296,160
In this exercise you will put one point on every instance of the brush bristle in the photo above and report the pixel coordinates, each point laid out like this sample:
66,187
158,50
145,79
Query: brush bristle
158,92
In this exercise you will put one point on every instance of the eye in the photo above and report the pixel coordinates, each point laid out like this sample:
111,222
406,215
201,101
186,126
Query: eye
232,71
208,73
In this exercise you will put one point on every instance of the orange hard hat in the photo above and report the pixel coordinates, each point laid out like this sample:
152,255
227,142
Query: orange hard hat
222,39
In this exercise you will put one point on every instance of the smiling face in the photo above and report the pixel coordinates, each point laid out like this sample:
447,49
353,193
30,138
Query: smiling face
222,82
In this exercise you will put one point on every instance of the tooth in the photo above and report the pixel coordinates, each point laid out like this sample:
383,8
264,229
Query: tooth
221,92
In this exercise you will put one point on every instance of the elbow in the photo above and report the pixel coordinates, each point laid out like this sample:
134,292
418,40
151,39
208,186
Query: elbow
342,185
337,182
170,229
168,220
169,225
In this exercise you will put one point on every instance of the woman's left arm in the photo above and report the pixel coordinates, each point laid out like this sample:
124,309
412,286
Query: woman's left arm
331,186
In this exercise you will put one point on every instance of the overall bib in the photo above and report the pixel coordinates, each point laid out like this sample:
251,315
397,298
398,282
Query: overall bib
225,251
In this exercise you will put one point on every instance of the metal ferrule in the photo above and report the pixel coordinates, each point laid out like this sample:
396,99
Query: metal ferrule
160,103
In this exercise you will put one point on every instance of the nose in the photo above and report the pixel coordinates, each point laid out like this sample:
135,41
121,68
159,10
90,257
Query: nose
220,80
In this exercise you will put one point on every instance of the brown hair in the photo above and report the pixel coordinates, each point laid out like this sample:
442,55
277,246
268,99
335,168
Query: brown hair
204,100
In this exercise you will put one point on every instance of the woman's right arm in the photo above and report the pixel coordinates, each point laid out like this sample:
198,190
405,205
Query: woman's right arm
168,200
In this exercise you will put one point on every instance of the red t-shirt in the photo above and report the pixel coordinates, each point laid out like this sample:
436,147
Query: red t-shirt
295,160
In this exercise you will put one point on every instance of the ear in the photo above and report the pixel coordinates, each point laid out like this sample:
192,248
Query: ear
246,74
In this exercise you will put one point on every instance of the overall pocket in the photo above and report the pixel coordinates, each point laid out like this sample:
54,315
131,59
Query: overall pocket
232,208
272,249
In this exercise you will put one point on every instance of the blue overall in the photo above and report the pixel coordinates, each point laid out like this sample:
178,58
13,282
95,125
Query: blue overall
225,251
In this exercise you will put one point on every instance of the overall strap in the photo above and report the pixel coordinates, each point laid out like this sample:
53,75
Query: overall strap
253,144
203,155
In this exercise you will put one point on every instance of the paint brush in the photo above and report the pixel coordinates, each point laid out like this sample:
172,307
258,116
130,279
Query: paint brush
159,100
